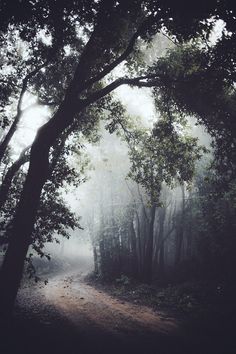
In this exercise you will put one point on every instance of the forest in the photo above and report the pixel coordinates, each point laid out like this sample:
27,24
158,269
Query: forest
118,176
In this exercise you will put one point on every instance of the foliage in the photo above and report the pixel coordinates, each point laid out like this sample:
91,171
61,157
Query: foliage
163,157
193,82
71,49
54,217
214,217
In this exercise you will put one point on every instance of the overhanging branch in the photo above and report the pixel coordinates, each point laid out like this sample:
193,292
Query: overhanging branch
141,81
120,59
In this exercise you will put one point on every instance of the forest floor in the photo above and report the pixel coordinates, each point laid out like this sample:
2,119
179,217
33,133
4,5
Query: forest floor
70,316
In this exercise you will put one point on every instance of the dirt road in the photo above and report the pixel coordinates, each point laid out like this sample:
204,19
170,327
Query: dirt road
68,316
89,308
77,318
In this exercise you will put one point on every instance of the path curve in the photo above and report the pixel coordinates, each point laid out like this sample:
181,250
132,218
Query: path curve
86,307
76,318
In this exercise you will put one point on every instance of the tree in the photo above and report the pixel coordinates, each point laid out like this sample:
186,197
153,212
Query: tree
200,82
161,158
112,29
53,216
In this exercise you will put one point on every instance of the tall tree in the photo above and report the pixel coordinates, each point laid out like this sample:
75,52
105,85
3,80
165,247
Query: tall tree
110,30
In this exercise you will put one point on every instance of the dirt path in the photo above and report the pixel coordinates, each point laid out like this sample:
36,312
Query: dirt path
87,307
76,318
68,316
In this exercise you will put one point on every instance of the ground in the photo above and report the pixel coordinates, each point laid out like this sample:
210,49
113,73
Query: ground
70,316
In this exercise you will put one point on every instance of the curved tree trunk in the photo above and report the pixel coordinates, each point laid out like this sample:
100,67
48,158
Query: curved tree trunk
23,224
6,183
5,142
20,234
86,74
19,239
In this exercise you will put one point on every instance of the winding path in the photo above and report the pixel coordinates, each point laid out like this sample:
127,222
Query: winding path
77,319
89,308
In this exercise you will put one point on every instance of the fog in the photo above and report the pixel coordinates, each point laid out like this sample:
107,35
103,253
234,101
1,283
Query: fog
107,190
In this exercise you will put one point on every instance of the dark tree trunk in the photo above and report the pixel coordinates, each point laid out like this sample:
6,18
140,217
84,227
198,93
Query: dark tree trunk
23,224
134,257
20,234
144,232
149,247
139,257
180,230
5,142
95,259
84,77
6,183
161,243
189,241
19,239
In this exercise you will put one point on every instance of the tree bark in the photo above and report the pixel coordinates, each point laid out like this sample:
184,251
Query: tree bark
149,247
161,243
23,224
5,142
134,256
180,230
20,234
6,183
95,259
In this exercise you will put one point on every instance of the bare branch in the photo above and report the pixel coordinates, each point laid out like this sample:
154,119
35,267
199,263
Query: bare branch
170,39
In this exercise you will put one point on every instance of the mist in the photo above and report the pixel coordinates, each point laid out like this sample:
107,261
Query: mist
117,177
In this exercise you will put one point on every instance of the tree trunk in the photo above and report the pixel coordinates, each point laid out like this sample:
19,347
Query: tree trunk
149,247
180,230
19,239
144,232
139,254
6,183
85,75
189,241
95,259
161,243
23,224
6,140
134,256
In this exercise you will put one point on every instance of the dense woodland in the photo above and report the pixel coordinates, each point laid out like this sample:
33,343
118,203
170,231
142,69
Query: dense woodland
188,234
164,204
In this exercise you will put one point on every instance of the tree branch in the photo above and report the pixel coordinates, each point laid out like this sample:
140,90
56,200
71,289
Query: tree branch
170,39
6,183
6,140
25,83
138,82
119,60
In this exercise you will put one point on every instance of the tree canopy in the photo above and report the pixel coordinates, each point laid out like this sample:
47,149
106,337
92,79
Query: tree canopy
65,53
